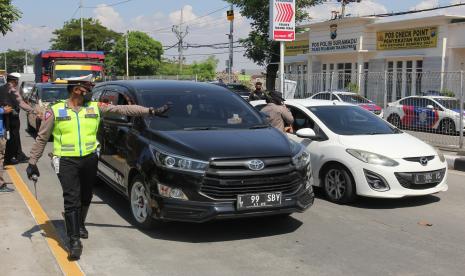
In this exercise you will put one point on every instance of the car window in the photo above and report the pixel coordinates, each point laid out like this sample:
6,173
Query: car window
449,103
301,120
207,109
352,120
407,101
114,97
353,99
321,96
53,94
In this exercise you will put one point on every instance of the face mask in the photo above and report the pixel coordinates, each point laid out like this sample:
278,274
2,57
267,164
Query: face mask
87,97
300,122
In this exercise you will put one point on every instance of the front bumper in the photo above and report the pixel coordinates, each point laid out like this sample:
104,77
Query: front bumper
396,189
196,211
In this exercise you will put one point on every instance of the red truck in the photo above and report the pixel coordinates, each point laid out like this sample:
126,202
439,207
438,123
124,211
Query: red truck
56,65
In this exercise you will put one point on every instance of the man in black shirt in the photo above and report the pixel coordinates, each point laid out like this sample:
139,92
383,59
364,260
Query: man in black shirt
258,94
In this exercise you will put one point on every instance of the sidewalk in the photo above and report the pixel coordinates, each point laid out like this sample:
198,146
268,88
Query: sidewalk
23,250
455,160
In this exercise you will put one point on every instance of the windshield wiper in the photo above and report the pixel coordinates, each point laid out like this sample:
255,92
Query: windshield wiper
200,128
259,126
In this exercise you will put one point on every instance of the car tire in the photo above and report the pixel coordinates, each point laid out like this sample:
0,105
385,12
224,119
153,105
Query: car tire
338,184
447,127
394,120
139,203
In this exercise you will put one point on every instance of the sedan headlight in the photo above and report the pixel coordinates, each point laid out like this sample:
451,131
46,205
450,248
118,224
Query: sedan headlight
372,158
301,159
176,162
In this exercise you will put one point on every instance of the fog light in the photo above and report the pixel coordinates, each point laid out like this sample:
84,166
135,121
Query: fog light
169,192
376,181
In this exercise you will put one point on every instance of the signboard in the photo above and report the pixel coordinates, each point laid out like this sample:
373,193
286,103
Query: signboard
335,45
230,15
417,38
282,20
297,47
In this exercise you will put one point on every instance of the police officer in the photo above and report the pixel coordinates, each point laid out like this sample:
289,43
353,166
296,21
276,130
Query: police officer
10,95
258,94
73,124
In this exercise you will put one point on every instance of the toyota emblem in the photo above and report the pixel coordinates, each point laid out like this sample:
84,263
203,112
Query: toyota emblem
256,165
424,161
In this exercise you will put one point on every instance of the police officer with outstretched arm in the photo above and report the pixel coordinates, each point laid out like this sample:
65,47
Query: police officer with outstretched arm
74,124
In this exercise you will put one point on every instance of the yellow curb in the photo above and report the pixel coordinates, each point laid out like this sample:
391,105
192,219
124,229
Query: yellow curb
51,236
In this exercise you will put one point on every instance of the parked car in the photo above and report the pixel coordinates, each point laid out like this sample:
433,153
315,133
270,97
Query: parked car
430,113
25,88
42,95
238,88
354,152
349,97
211,156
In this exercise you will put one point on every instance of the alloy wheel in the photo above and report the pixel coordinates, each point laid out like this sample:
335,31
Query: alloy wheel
140,202
335,184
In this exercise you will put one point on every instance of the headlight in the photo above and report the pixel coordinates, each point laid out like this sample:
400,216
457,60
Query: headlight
441,157
176,162
167,191
301,159
372,158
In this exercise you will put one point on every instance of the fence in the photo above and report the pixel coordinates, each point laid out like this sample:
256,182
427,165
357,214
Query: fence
438,119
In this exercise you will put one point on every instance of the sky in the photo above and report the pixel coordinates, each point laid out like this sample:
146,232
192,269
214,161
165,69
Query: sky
206,20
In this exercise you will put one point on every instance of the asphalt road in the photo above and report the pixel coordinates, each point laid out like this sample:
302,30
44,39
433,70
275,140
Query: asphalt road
370,237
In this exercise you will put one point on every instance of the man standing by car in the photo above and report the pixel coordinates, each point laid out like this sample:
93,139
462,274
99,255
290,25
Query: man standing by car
74,124
258,94
10,95
278,114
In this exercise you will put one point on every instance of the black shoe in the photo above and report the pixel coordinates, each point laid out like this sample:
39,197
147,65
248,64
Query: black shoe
12,161
4,189
82,227
72,221
23,159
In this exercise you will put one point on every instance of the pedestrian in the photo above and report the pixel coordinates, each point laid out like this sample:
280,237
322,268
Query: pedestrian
74,123
3,110
10,95
278,115
258,93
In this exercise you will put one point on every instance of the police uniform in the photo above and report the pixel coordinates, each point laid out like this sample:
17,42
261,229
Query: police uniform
75,144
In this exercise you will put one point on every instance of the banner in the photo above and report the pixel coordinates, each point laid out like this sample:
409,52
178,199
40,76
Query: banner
417,38
282,20
298,47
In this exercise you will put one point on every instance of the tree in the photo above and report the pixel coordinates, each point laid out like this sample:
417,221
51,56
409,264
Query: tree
258,46
16,60
144,55
96,36
204,70
8,15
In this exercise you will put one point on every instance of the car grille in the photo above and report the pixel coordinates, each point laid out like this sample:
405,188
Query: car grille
417,159
406,180
226,179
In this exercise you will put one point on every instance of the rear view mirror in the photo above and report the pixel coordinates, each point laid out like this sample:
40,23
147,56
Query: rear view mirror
306,133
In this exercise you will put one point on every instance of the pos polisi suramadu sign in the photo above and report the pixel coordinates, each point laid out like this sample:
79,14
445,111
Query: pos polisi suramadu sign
282,20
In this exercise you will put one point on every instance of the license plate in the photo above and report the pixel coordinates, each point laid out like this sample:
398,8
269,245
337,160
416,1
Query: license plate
427,178
261,200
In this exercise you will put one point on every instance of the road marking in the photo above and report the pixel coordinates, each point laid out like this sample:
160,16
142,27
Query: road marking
42,220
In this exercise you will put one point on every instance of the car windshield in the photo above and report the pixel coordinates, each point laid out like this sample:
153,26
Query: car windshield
353,99
64,74
352,120
200,110
453,104
52,94
239,89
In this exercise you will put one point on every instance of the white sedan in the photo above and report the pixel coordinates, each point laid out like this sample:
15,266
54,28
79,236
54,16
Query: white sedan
354,152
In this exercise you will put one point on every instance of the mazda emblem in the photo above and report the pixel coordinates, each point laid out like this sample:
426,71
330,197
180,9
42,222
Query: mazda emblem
256,165
424,161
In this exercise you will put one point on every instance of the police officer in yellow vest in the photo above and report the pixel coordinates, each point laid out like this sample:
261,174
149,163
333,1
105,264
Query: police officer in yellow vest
74,124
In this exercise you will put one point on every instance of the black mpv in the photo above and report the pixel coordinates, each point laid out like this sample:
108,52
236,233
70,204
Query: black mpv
211,156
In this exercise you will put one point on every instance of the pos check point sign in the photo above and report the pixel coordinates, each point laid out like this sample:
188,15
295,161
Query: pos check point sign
282,20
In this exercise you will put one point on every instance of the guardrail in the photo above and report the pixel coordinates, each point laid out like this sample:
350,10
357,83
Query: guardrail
429,105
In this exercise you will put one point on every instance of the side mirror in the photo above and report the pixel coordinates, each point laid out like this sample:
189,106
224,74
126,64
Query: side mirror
306,133
430,106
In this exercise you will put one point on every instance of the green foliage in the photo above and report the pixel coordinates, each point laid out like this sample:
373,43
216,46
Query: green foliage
447,93
8,15
144,55
205,70
352,87
96,36
16,60
258,46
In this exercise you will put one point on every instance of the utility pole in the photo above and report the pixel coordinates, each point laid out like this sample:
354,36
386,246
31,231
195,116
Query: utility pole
180,33
344,3
230,15
5,63
82,27
127,54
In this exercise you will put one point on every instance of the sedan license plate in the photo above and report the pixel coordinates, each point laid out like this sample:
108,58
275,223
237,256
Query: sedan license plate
427,178
261,200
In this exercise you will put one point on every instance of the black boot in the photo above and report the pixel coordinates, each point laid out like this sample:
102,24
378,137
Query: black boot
82,227
72,220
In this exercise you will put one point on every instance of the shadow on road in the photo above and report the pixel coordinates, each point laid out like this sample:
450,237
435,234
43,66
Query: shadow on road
215,231
49,231
387,203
